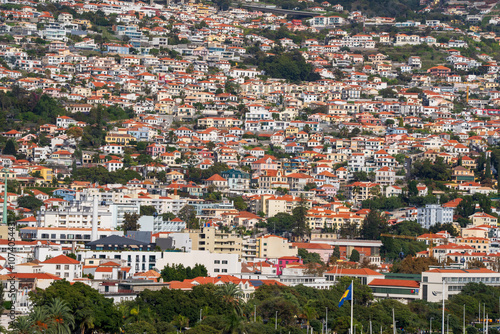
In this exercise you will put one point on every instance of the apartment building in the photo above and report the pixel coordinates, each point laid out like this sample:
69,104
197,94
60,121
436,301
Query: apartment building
210,239
455,280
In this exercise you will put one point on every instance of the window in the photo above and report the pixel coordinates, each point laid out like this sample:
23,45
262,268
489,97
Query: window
58,267
224,261
216,261
66,267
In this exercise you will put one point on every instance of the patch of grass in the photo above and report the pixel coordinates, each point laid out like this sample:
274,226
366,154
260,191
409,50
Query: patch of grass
429,56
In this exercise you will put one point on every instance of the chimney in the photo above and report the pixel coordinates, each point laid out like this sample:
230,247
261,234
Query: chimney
95,215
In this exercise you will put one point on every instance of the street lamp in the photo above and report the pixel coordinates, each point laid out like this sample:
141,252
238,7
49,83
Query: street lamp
464,319
326,321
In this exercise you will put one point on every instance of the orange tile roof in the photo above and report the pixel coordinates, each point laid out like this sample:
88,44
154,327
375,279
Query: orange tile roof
61,259
395,282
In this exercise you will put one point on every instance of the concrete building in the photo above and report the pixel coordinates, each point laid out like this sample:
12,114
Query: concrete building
365,275
64,267
274,247
216,263
433,214
215,241
237,180
80,215
180,241
64,235
157,224
455,280
399,289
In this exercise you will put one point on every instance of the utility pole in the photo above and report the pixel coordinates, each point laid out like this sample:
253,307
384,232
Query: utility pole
393,323
255,313
442,320
486,324
430,325
464,318
276,321
448,324
326,321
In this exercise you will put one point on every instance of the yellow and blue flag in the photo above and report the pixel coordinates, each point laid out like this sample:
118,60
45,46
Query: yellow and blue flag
346,296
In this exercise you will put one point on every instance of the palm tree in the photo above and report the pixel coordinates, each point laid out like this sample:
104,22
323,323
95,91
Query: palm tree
60,316
39,319
231,294
233,324
22,325
309,313
87,322
180,321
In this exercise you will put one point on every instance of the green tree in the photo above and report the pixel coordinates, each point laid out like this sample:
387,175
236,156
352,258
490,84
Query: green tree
354,256
412,188
309,257
300,228
130,221
239,203
336,252
180,273
60,316
10,148
281,222
413,265
83,301
147,210
232,295
140,327
373,225
288,65
188,215
29,202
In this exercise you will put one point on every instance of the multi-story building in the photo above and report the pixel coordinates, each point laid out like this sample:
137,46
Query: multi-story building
274,247
454,281
215,241
433,214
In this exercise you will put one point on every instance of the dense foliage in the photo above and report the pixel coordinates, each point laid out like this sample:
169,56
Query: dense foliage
223,310
179,272
86,304
289,65
102,176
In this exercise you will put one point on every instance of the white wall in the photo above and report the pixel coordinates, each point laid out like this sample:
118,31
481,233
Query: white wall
212,261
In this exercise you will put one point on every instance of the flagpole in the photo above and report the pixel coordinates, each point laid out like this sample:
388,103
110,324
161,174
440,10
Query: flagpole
352,302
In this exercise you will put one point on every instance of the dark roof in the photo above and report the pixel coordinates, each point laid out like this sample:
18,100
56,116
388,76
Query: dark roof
117,240
231,173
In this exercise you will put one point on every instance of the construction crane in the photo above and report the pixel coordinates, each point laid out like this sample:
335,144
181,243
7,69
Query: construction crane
398,236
